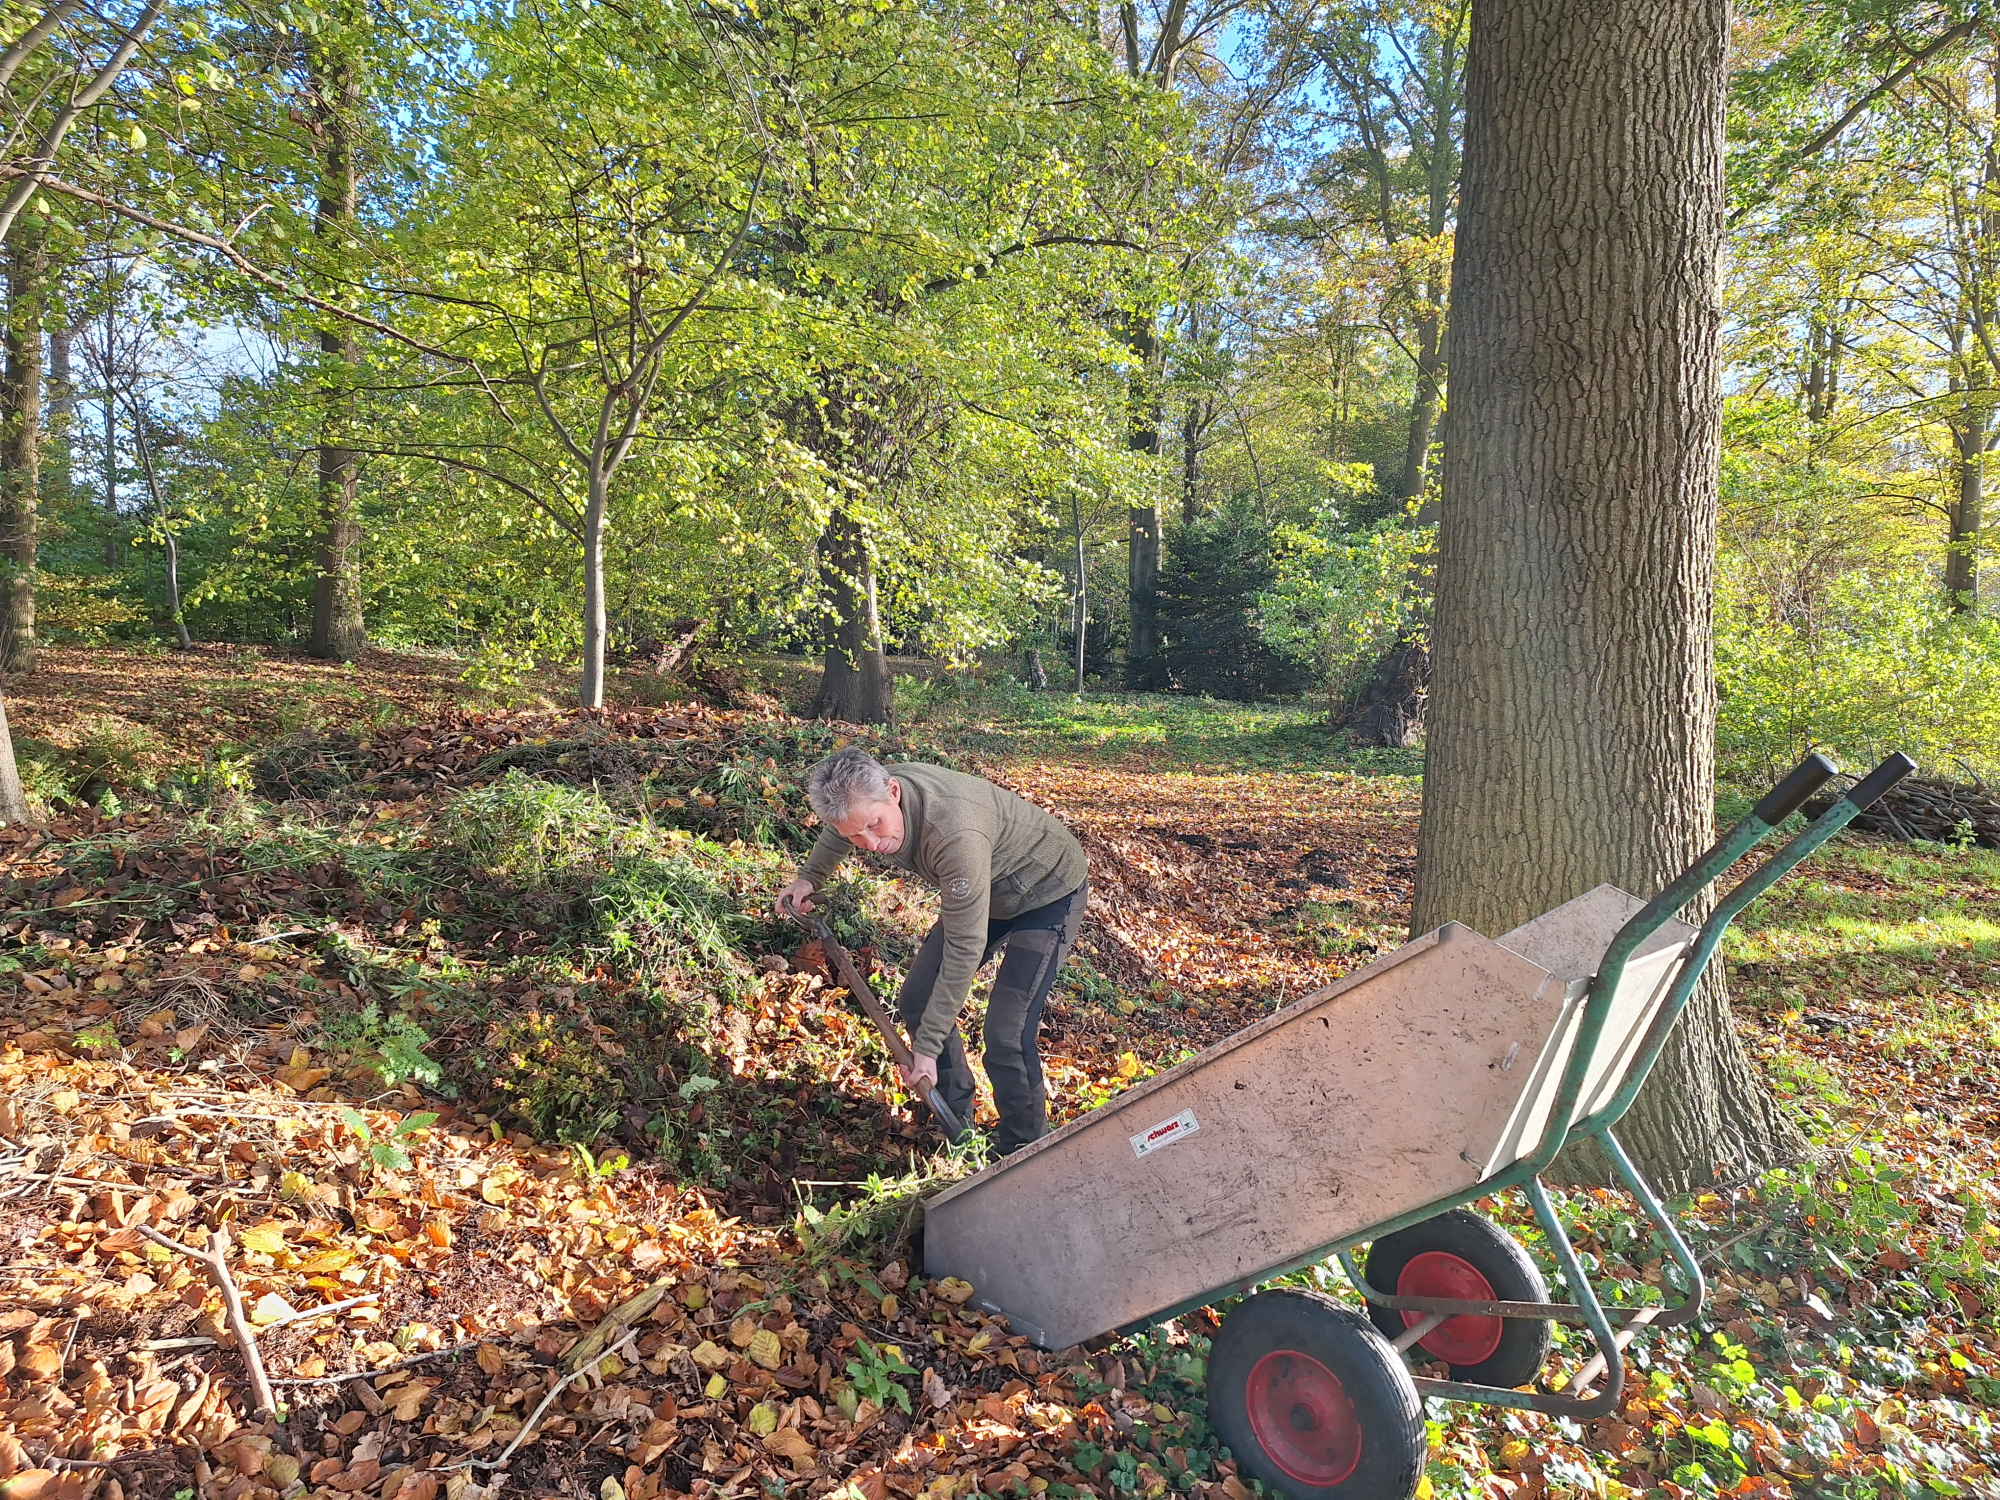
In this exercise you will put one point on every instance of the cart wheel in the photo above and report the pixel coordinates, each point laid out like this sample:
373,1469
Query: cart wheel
1459,1254
1313,1400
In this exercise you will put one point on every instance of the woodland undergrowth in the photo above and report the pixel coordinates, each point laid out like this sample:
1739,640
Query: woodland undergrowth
477,1022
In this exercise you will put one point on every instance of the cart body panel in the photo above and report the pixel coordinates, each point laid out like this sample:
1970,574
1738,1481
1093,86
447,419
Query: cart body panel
1398,1086
1568,942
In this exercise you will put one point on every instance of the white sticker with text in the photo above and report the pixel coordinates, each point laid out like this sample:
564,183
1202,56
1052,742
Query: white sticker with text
1165,1133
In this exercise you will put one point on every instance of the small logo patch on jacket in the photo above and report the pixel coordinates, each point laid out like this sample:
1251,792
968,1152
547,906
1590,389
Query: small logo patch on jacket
959,887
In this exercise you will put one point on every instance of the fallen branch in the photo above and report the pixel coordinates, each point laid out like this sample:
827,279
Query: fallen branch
283,937
528,1426
211,1260
615,1322
401,1364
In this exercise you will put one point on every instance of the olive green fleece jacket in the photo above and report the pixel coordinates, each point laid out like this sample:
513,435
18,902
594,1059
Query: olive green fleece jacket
989,852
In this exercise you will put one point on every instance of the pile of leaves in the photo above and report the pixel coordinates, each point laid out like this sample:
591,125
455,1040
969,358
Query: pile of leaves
421,1292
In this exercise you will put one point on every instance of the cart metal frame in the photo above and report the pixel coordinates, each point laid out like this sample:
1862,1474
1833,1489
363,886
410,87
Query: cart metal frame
1594,1389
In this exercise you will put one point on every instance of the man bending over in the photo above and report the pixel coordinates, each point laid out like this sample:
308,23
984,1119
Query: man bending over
1006,874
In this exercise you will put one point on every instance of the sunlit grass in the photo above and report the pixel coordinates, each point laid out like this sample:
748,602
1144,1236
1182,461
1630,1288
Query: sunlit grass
1007,719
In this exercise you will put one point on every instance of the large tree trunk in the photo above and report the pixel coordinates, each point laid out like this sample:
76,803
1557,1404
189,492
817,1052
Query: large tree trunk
855,683
1968,510
13,801
1145,665
1572,711
338,630
20,439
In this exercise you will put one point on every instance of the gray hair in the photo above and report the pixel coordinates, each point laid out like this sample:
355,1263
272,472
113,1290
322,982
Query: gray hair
844,780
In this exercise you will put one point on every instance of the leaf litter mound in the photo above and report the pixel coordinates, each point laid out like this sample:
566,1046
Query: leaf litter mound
451,1305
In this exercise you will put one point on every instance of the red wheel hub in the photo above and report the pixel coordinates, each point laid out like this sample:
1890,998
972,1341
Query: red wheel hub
1302,1418
1465,1340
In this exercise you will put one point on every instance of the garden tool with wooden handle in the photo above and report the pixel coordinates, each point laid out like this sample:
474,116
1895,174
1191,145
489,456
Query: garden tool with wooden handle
892,1038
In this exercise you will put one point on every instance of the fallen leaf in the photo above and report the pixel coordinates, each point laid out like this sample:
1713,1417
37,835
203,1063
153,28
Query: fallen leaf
267,1238
936,1392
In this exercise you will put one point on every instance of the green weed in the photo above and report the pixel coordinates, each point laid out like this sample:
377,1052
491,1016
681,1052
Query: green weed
393,1046
552,1076
874,1375
533,831
385,1152
673,910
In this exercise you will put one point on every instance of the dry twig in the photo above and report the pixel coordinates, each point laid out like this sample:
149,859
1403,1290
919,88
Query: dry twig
528,1426
325,1310
401,1364
211,1260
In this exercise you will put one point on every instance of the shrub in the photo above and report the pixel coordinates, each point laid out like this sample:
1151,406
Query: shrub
75,610
1340,598
1881,663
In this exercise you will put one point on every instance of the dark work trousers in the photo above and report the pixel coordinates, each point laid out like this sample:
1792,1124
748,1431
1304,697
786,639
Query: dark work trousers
1037,942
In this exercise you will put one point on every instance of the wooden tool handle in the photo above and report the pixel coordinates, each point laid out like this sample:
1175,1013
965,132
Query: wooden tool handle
892,1036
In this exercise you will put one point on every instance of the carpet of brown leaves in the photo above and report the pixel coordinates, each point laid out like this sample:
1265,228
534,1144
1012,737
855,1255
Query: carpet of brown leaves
423,1281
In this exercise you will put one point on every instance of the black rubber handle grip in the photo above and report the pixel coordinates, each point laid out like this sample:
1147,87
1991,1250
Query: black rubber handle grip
1789,795
1879,780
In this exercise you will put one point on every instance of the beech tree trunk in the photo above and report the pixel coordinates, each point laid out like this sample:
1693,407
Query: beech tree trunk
13,801
1572,709
855,684
20,439
1968,510
338,630
590,694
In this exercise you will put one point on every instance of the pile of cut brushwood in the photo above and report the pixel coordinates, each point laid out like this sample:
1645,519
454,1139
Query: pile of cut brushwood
1940,812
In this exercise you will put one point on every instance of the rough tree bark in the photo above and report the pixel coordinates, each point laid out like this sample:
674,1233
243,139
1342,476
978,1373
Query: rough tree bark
855,683
20,438
338,630
1572,708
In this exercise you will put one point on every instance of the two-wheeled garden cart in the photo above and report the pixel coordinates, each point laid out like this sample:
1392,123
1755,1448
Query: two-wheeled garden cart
1372,1112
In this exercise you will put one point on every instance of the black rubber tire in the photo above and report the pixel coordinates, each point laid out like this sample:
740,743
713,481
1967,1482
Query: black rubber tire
1369,1373
1494,1254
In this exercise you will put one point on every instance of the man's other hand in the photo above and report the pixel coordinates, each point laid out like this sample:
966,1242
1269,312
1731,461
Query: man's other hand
796,898
921,1076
